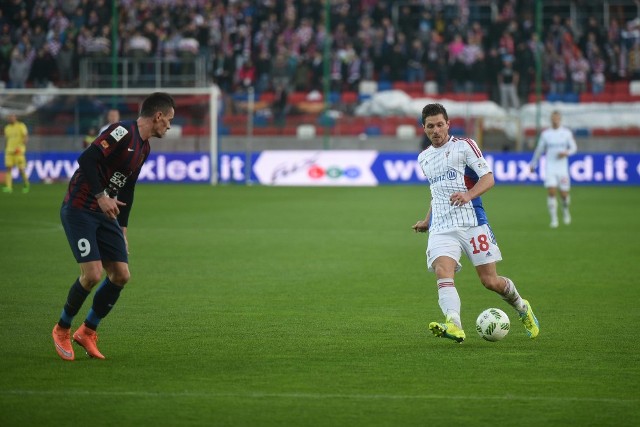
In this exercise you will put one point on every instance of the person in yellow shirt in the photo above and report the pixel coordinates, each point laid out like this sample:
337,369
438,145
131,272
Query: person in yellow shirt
16,135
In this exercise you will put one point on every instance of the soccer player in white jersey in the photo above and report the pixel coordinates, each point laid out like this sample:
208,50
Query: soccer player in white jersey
456,221
557,143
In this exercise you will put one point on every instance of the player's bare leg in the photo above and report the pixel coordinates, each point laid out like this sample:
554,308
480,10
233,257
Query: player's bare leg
566,201
552,205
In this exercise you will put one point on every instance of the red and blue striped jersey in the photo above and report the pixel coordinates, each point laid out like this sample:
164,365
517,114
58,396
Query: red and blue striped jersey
123,154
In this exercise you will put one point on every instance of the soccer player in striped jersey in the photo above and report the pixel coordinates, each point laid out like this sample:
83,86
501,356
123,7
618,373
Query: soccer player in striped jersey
95,216
557,143
456,221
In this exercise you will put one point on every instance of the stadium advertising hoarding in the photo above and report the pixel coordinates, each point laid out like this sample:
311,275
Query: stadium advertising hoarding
332,168
378,168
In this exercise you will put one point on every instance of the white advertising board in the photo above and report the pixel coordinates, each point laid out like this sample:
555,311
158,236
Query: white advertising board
316,168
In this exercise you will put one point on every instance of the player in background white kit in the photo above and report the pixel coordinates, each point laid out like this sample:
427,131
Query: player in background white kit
456,221
557,143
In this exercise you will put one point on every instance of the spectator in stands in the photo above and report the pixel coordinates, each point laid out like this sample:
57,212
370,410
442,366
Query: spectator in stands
415,65
223,70
280,72
295,28
335,72
457,69
6,47
42,69
302,75
138,47
354,72
558,73
317,70
263,71
598,67
66,62
39,18
78,18
38,37
526,68
59,21
19,69
579,69
493,63
398,60
634,60
99,47
507,84
280,104
473,60
247,75
188,49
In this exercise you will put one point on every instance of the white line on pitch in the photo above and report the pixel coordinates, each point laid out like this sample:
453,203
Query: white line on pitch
258,395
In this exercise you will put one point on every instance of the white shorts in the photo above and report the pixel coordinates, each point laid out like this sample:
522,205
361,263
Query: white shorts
560,181
478,243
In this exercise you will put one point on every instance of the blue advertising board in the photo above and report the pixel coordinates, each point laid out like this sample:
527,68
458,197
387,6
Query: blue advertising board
513,168
380,168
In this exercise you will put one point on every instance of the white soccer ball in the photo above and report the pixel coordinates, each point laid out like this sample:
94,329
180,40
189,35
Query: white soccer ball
493,324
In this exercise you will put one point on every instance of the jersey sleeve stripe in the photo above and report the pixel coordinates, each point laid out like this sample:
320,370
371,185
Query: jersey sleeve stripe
474,147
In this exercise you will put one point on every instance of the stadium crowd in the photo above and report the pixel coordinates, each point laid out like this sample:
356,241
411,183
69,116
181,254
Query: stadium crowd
472,46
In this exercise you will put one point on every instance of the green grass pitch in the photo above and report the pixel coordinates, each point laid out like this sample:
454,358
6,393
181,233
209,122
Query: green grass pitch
262,306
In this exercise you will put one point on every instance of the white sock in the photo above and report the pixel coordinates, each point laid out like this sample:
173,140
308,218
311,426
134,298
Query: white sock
512,297
449,301
552,205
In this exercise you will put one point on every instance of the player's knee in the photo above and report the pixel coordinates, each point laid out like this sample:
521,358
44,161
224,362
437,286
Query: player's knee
120,277
90,278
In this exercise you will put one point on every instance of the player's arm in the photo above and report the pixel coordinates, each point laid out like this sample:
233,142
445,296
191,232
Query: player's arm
474,160
126,195
422,226
88,162
572,148
540,148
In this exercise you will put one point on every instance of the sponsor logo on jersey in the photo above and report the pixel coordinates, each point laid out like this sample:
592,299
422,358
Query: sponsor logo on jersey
118,133
104,144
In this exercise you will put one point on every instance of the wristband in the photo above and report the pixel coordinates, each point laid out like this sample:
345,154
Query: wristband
101,194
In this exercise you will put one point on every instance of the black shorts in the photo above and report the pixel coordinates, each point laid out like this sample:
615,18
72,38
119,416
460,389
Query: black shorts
93,236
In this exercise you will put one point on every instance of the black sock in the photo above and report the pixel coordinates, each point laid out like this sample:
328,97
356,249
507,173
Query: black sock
75,299
103,301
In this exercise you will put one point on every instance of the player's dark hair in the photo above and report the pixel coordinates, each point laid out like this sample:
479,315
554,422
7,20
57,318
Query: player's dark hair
433,110
157,101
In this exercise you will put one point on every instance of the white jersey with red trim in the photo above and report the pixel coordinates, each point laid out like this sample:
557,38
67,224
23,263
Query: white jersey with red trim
455,166
553,142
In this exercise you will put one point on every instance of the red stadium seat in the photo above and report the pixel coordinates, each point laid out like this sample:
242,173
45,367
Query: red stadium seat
267,97
586,97
349,97
620,87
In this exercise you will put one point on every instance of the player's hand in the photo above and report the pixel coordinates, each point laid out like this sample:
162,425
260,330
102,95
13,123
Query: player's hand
110,206
421,226
562,154
459,199
17,152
